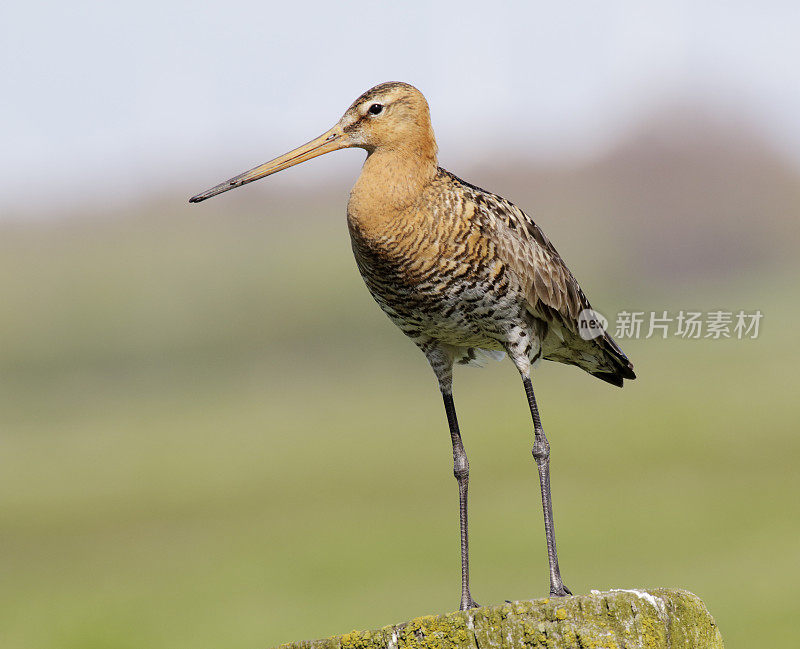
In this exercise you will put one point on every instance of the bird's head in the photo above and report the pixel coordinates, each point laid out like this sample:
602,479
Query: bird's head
392,117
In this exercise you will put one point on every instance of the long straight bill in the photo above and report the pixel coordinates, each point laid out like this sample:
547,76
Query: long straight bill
325,143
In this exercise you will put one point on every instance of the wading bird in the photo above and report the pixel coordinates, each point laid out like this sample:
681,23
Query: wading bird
464,273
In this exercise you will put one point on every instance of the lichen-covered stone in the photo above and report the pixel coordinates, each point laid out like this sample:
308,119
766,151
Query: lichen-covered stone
660,618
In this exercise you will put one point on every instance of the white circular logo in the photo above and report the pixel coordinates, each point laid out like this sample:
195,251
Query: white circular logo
591,324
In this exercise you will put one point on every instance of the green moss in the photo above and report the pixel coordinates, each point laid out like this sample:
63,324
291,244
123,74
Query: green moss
361,640
434,632
656,619
653,634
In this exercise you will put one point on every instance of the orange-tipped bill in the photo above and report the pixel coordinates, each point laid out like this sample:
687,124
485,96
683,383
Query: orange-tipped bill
325,143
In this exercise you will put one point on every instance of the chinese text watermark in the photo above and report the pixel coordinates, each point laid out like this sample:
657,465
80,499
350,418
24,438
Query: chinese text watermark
685,324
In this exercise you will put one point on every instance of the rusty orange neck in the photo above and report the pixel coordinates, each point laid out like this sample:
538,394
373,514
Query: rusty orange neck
391,181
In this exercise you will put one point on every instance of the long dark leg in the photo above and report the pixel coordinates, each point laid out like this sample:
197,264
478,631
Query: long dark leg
461,472
541,453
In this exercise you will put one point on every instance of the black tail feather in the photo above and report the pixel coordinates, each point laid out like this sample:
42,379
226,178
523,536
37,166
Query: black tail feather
622,367
608,377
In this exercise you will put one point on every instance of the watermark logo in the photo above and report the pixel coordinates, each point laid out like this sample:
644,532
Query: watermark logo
688,324
714,325
591,324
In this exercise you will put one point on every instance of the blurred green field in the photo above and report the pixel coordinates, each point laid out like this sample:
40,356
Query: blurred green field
212,437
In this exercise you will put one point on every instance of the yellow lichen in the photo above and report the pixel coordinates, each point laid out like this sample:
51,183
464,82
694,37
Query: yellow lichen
598,621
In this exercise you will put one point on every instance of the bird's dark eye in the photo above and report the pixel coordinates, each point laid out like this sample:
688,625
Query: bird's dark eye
375,109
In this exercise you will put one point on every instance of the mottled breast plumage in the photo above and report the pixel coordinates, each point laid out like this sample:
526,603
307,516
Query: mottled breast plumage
469,269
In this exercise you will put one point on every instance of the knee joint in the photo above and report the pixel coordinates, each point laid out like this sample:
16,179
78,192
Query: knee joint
541,449
461,468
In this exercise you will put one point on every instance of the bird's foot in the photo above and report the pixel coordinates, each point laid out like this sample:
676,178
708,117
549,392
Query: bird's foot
468,603
559,591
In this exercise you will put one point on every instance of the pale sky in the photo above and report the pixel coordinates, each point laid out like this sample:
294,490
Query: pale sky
107,101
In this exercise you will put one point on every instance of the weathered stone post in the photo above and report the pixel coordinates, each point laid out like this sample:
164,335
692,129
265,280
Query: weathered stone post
617,619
